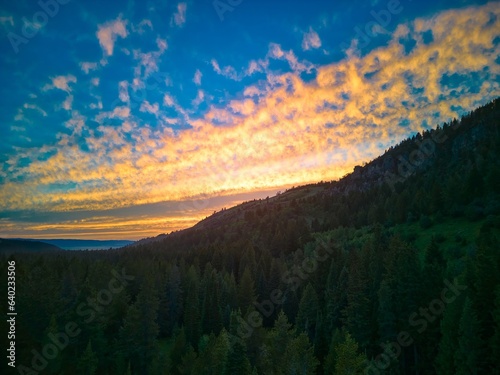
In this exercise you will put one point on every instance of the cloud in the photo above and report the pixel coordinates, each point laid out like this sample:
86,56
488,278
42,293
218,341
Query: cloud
68,103
150,108
35,108
61,83
120,112
200,97
162,45
148,63
107,34
168,100
256,66
179,18
141,27
123,91
197,77
310,40
87,67
228,71
275,133
275,52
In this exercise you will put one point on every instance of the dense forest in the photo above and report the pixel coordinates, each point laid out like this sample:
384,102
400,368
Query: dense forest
393,269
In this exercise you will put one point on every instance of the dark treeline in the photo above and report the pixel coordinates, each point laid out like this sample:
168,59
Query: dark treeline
322,279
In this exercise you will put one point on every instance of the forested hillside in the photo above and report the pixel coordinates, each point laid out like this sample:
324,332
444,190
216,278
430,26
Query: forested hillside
393,269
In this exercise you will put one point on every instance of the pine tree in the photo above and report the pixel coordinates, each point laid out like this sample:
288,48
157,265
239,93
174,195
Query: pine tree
87,365
278,339
299,356
308,312
386,317
212,317
445,359
188,361
237,361
495,339
140,329
246,291
178,349
336,294
348,359
338,337
468,356
357,314
220,353
170,308
192,314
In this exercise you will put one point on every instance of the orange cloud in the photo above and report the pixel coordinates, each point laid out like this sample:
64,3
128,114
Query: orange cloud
289,132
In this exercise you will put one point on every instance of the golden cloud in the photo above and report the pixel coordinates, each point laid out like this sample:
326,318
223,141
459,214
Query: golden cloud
290,133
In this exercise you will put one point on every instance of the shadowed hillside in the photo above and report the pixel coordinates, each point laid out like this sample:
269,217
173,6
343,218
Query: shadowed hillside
17,246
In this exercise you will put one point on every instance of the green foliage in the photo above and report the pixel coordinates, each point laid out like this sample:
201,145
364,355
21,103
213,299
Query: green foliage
308,311
87,364
469,355
189,308
348,360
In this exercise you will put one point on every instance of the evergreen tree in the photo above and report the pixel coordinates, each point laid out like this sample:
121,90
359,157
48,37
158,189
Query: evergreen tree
308,312
299,356
348,359
237,361
468,356
140,330
246,291
192,314
495,339
450,324
87,365
179,347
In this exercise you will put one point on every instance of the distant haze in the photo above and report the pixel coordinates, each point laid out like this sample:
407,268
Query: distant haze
68,244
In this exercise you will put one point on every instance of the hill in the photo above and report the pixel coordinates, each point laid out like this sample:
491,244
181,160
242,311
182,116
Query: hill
450,171
19,246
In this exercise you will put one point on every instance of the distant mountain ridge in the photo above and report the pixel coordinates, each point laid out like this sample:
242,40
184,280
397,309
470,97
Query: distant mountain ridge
22,246
70,244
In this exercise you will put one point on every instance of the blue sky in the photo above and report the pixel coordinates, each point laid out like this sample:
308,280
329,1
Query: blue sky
128,119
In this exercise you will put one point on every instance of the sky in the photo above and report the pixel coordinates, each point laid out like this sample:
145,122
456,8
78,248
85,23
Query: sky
127,119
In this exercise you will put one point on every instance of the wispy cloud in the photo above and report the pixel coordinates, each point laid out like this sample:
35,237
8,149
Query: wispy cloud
107,34
311,40
179,17
61,83
150,108
197,77
142,26
276,52
87,67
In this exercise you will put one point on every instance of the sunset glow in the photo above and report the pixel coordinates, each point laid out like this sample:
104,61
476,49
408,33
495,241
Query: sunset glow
143,120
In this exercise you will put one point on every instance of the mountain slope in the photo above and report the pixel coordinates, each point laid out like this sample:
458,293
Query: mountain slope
452,170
